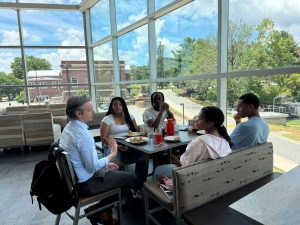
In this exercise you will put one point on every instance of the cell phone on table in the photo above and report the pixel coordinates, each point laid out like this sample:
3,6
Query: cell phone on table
167,192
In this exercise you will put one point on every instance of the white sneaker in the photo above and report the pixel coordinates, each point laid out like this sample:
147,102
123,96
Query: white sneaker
136,194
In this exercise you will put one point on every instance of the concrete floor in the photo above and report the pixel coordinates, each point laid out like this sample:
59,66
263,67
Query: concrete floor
16,171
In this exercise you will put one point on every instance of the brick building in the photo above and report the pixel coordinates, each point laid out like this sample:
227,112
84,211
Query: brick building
73,72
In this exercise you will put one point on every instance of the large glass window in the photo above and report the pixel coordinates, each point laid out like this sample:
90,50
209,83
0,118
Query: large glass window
137,97
73,2
186,40
266,40
104,94
62,66
100,20
187,97
9,32
133,50
130,11
52,28
103,66
161,3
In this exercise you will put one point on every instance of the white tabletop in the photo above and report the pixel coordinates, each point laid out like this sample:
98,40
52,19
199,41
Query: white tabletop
278,202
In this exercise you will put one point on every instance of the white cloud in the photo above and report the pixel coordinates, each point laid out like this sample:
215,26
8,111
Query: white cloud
285,14
9,37
103,52
6,58
196,10
70,36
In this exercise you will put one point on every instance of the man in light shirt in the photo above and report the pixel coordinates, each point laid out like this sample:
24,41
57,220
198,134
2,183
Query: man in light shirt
94,175
154,117
255,130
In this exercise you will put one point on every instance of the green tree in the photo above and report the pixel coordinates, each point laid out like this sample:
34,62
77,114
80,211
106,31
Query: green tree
21,97
9,90
82,92
270,48
139,72
32,63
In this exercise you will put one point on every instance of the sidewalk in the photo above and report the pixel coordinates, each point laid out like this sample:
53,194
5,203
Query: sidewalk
283,163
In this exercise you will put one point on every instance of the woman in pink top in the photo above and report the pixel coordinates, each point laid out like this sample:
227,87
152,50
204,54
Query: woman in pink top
213,144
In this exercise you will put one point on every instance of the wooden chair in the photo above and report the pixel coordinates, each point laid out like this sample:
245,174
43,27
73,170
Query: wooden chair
67,173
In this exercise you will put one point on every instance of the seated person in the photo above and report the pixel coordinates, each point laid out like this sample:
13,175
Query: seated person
215,143
94,175
255,130
154,117
118,121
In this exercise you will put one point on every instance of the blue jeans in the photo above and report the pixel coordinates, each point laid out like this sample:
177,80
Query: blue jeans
163,169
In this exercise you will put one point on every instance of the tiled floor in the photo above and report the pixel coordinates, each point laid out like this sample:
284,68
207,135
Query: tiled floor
16,208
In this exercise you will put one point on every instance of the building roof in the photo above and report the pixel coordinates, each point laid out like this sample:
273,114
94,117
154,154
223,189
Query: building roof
43,73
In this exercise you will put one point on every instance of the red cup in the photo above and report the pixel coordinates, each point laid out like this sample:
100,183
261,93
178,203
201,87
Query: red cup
158,138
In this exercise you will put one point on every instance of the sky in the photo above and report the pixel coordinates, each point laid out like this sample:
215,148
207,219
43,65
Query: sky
197,20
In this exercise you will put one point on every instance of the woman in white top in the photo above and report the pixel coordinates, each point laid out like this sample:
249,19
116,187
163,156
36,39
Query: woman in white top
117,121
215,143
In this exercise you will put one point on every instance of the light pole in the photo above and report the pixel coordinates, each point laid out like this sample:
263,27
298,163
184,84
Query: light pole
38,88
66,66
182,112
278,96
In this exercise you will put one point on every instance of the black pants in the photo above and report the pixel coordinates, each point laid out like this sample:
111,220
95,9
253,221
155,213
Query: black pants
141,161
102,182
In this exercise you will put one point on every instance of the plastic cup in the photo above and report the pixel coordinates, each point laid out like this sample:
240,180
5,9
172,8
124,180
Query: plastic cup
158,138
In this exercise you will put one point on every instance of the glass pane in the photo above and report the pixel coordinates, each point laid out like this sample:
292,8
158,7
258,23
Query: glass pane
137,97
9,33
263,40
103,63
104,94
11,96
133,50
161,3
279,103
54,94
8,58
128,12
58,28
186,98
49,67
100,20
71,2
187,45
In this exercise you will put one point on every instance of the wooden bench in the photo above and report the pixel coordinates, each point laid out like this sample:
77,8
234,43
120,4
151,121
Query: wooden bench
11,131
202,182
39,129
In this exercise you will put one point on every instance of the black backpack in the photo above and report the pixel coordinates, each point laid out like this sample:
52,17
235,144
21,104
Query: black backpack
48,186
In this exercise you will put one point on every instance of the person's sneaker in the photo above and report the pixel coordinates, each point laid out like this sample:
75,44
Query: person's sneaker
136,193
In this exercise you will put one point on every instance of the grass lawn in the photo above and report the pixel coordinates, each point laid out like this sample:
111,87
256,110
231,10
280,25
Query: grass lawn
292,129
277,170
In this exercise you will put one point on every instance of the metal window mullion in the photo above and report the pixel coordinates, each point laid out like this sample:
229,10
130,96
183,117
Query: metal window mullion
223,12
24,66
152,46
89,56
115,56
